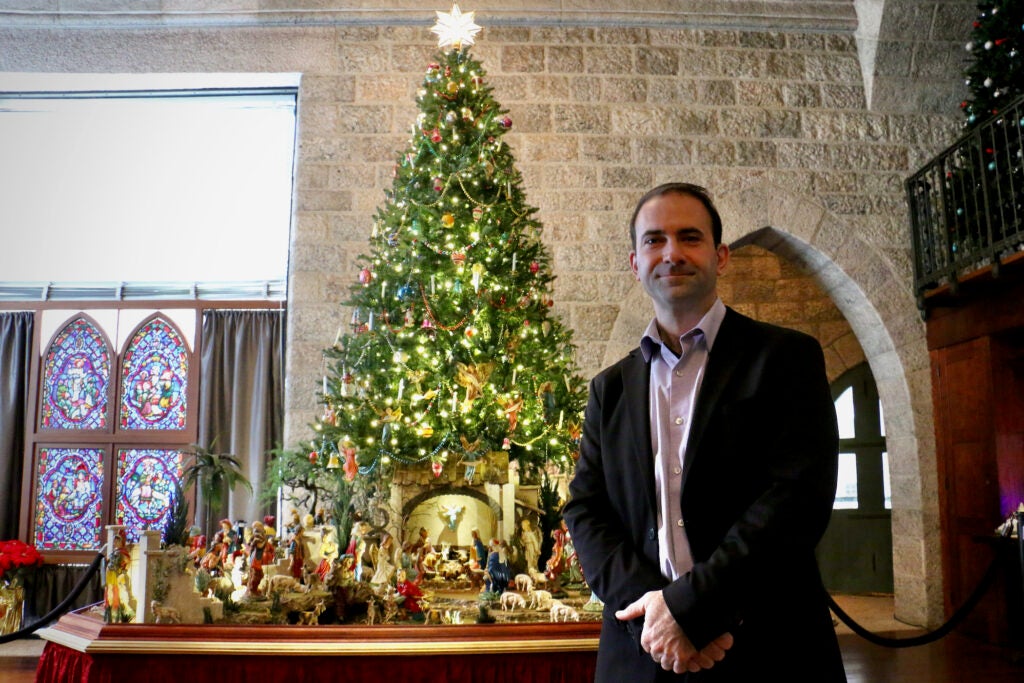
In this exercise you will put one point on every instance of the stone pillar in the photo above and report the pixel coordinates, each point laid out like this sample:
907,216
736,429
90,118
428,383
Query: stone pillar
142,576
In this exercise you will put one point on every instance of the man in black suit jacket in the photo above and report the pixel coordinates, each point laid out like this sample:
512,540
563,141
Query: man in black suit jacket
706,476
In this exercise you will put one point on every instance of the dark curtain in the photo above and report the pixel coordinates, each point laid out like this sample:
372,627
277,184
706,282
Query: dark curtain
15,362
241,401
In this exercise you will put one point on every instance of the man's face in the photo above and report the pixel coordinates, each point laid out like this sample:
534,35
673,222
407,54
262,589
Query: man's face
675,257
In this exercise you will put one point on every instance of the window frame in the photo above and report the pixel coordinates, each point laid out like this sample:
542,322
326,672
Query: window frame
113,437
868,443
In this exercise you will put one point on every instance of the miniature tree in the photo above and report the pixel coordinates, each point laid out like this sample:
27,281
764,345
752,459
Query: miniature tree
454,358
214,475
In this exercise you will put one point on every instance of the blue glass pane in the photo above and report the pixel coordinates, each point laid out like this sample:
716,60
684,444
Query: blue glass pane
146,481
76,374
154,379
69,485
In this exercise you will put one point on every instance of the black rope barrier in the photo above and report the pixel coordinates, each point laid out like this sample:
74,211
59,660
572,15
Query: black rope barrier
61,608
931,636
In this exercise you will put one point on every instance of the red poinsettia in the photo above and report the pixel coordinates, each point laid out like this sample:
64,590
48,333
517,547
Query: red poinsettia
16,558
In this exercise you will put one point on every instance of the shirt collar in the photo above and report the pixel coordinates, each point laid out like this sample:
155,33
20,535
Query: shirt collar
708,326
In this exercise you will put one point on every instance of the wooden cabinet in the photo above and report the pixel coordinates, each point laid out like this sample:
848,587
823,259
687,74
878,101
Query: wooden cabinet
977,361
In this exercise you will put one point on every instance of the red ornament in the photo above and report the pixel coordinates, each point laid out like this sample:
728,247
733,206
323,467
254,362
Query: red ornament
438,184
477,213
436,468
505,122
350,467
458,258
365,276
534,267
435,135
313,456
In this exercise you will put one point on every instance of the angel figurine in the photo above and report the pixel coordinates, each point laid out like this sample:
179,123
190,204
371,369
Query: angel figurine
451,513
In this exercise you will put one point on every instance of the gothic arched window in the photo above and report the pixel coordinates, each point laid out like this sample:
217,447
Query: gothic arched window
76,378
154,378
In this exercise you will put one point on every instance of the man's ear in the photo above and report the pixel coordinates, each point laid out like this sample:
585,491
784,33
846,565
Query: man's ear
632,264
723,257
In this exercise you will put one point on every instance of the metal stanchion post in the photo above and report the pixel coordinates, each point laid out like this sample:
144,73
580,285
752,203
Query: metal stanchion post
1019,518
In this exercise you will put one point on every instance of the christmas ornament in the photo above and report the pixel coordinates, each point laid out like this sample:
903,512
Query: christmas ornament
534,267
313,456
436,466
350,467
505,122
458,258
438,184
478,272
455,29
447,220
365,276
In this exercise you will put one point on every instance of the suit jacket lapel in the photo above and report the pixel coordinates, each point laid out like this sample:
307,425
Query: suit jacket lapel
637,442
723,360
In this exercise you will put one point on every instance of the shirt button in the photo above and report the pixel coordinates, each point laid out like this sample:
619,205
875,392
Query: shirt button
678,373
679,523
679,420
676,470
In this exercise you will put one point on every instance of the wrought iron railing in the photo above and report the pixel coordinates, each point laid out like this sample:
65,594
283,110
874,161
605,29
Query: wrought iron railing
967,204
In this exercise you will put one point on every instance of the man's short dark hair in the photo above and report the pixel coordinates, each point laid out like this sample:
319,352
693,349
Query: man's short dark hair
696,191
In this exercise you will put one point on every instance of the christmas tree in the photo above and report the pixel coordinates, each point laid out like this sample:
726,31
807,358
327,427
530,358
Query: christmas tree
995,75
454,362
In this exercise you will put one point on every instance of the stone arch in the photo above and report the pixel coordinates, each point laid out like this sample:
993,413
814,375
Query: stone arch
487,515
411,504
878,304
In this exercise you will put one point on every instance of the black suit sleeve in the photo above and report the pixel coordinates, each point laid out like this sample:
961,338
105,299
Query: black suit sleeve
608,513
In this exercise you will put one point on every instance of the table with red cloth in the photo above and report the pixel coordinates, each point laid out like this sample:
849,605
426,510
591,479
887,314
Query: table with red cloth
81,649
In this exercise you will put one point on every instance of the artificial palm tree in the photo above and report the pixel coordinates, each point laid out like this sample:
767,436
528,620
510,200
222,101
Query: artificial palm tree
213,475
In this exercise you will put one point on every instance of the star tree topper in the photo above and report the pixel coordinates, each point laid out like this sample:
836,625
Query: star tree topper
455,29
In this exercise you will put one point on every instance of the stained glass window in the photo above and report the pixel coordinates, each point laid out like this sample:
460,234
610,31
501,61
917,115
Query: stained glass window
146,481
154,378
69,485
76,375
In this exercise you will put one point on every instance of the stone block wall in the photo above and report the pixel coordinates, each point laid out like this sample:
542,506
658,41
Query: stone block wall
767,110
